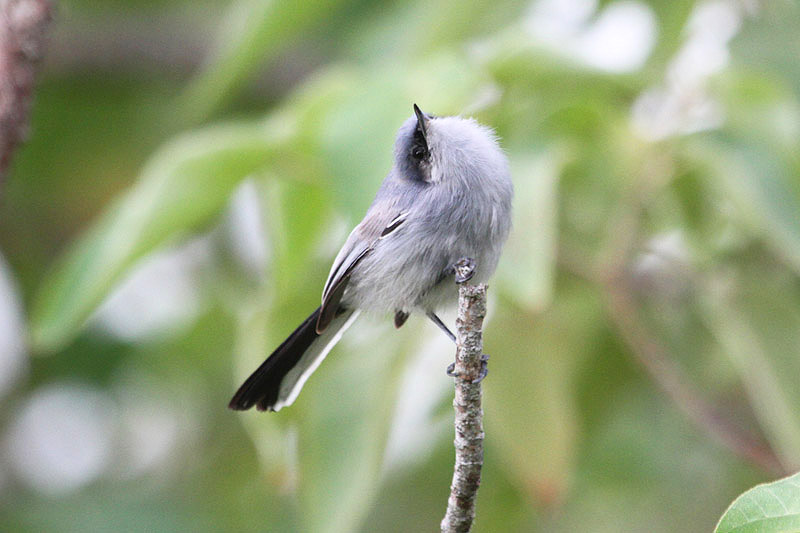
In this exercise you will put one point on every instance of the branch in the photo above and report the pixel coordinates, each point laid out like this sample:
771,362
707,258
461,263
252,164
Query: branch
22,29
469,415
657,362
660,364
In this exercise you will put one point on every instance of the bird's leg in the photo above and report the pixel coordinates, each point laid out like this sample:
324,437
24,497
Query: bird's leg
464,269
436,320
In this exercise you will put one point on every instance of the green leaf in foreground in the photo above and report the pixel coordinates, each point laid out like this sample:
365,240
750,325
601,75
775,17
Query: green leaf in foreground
771,507
183,186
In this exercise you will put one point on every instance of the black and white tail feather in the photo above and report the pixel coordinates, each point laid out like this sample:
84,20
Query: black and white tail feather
447,197
277,382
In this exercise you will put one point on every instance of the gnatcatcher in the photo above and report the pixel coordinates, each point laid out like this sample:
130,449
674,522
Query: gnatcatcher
443,211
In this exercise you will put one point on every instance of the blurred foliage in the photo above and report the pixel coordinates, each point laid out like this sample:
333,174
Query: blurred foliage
672,181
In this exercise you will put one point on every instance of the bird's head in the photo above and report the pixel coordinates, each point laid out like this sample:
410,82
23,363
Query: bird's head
436,149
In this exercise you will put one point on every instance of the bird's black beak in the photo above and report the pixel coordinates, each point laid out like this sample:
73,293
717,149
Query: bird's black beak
422,122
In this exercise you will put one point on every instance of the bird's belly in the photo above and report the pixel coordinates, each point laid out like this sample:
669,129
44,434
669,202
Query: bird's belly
401,273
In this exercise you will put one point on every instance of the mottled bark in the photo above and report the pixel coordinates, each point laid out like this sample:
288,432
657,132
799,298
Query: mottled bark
468,412
23,24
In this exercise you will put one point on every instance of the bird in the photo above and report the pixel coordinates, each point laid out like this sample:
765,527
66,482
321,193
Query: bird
443,211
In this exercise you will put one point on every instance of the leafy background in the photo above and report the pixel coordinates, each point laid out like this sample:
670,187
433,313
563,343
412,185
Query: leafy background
193,167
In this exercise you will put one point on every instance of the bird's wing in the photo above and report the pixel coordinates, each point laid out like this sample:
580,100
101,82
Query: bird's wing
362,240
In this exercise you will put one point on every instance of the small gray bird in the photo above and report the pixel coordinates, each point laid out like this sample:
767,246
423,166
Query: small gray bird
444,210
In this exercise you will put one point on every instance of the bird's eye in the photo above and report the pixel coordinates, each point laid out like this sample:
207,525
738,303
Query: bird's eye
418,152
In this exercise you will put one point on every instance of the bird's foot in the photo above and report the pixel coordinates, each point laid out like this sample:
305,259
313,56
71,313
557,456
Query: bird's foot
482,374
464,269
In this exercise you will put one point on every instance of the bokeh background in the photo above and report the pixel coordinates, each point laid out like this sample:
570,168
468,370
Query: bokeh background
193,167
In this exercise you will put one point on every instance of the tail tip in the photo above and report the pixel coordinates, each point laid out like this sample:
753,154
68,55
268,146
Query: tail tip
245,404
238,403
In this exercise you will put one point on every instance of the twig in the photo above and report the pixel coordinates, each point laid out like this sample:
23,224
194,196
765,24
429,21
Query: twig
655,359
469,414
661,367
22,36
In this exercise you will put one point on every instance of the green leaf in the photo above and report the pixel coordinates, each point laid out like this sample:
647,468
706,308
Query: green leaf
256,31
672,18
183,186
527,269
767,508
531,410
758,180
344,415
768,44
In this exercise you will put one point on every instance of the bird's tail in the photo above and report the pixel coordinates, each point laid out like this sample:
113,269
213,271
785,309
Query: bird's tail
277,382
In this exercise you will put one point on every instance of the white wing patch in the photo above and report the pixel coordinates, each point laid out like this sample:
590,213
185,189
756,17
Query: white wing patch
394,224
